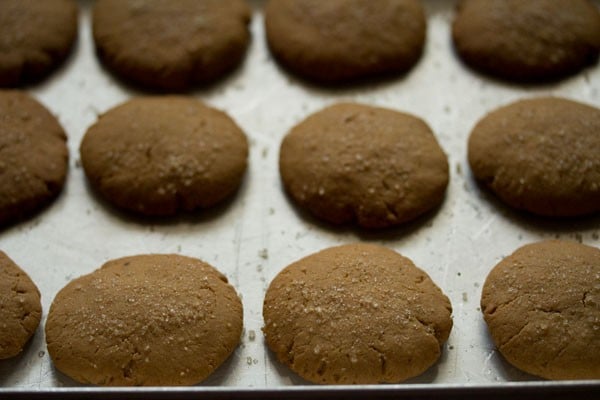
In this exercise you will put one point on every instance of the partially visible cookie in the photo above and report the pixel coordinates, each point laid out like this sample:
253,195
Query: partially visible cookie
149,320
541,155
343,40
35,36
171,44
356,163
529,40
542,307
20,308
356,314
33,156
161,155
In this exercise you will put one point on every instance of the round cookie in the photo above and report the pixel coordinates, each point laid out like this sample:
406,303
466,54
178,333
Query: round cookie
356,163
160,155
541,155
529,40
33,156
542,308
171,44
356,314
20,308
151,320
35,36
342,40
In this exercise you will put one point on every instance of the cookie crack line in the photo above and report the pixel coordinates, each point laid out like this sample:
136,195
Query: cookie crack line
382,359
495,308
558,354
515,336
148,152
538,308
391,210
127,370
584,298
48,184
548,310
25,316
429,328
15,286
322,367
290,349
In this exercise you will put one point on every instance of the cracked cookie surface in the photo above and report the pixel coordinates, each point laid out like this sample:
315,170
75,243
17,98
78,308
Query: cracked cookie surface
352,163
160,155
356,314
542,307
356,38
20,308
147,320
171,44
541,155
33,156
527,40
35,36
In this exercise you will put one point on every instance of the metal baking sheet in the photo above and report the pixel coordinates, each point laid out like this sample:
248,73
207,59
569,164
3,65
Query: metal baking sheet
259,232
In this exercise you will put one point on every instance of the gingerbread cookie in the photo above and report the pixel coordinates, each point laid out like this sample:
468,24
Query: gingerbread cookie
541,155
171,44
542,307
529,40
20,308
342,40
356,314
35,36
356,163
148,320
161,155
33,156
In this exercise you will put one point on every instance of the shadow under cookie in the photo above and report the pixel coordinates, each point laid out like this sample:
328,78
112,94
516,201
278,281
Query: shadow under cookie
397,232
197,216
544,225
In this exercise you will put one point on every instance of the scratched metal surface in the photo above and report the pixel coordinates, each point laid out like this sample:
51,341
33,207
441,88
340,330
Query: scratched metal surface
259,232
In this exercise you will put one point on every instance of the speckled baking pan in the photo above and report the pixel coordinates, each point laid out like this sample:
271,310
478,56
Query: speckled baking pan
259,232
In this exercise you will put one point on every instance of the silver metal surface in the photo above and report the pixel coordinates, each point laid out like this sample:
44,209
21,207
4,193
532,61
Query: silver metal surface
259,232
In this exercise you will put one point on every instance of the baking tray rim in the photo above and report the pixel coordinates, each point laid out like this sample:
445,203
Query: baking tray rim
537,389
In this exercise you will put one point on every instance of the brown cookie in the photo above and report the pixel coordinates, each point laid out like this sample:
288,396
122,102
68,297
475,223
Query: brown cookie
171,44
541,155
160,155
356,163
20,308
35,36
148,320
342,40
527,40
33,155
542,307
356,314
